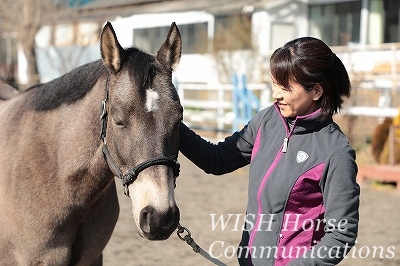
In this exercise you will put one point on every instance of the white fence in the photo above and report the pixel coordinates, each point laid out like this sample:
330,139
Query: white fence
210,107
371,111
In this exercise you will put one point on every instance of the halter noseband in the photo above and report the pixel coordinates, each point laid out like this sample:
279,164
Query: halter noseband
132,173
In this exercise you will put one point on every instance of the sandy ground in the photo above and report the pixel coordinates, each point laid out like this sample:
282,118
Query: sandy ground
199,195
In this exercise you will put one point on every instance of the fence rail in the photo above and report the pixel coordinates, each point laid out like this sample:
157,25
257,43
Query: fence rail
220,107
211,106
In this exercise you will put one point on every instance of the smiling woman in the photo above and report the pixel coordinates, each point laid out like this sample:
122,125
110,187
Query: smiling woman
302,167
310,69
295,100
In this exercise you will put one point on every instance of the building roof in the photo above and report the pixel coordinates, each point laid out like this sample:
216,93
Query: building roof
107,8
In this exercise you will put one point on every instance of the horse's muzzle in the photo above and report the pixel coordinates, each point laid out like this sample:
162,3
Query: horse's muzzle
158,225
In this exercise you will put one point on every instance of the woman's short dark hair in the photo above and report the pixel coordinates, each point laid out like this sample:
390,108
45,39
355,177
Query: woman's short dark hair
309,61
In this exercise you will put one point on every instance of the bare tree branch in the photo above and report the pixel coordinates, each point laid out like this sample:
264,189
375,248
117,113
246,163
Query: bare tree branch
21,19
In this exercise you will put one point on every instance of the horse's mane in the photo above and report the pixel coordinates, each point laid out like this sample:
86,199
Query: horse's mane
77,83
67,88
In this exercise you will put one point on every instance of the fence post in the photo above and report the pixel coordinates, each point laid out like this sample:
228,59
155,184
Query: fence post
244,102
220,110
235,102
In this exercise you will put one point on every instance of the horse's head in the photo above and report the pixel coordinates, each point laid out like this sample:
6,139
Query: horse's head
142,124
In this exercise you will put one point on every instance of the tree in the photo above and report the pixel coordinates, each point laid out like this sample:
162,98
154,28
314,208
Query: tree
22,19
233,49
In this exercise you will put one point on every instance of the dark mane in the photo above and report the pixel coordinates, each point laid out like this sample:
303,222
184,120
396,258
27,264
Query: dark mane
77,83
67,88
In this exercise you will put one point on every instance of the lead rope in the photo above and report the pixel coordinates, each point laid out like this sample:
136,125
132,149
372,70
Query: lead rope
196,248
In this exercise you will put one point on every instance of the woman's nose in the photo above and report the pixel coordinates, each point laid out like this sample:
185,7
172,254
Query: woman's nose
276,92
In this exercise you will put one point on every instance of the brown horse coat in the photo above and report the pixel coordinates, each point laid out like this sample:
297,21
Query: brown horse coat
58,202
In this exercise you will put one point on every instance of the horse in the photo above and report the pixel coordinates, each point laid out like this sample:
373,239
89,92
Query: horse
63,142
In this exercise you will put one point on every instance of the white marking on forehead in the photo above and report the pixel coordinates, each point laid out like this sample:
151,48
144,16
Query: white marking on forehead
151,100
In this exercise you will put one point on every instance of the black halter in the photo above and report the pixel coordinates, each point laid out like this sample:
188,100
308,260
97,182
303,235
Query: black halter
132,173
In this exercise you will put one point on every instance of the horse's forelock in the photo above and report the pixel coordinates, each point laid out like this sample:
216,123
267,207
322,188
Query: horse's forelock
142,68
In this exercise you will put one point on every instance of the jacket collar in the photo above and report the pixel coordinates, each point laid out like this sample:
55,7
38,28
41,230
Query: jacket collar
306,123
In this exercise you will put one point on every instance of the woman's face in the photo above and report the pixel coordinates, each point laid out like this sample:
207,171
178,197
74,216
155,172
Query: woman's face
295,100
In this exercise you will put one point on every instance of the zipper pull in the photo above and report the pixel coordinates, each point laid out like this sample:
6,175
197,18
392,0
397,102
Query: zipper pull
285,143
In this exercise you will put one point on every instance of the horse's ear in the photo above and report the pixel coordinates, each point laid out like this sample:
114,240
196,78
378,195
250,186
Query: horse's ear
170,51
111,50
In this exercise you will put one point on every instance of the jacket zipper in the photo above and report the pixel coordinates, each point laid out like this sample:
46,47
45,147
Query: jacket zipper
285,144
262,185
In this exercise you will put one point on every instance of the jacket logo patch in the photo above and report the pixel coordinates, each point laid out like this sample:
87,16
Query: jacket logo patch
301,156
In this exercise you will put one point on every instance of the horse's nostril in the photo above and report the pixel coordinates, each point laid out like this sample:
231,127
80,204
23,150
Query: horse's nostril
156,225
145,218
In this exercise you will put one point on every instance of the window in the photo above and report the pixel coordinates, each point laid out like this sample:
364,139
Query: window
281,33
336,24
392,13
150,39
194,38
232,32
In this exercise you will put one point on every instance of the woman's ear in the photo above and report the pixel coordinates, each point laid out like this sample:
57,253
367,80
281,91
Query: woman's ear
318,91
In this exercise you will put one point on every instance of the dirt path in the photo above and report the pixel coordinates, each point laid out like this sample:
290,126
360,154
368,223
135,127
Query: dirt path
199,195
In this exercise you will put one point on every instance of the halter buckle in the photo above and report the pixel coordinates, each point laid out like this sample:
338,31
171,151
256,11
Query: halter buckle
126,191
103,109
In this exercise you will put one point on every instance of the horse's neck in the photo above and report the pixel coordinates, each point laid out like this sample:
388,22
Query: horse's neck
69,137
80,147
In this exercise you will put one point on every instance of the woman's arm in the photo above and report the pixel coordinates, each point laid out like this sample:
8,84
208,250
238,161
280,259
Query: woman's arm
226,156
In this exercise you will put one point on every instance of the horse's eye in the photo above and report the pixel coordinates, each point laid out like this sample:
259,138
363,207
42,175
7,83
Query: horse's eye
119,123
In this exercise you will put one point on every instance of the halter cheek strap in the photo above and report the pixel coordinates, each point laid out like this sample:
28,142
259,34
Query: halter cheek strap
132,173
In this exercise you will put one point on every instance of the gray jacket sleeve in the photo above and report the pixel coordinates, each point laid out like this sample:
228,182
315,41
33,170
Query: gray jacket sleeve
341,201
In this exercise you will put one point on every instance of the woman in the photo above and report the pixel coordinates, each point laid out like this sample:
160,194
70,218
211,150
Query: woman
303,196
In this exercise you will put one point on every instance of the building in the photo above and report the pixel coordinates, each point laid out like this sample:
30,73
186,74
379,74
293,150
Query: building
220,37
